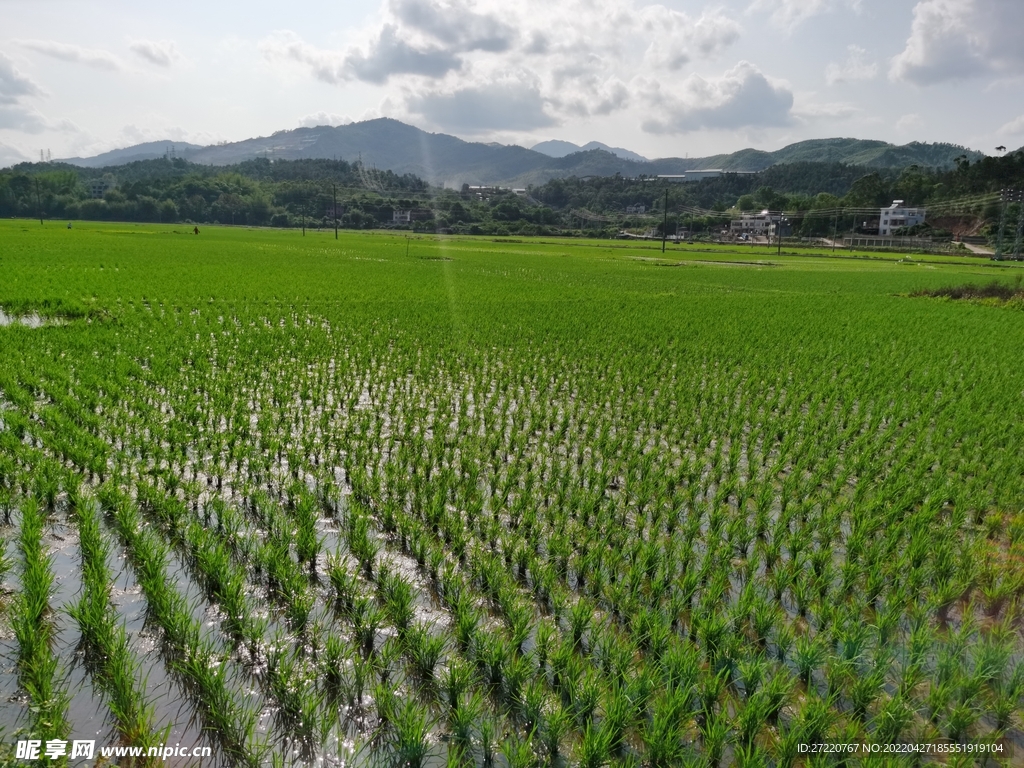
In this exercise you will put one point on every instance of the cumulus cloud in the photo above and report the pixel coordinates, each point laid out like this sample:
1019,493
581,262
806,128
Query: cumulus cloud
386,56
791,13
390,55
9,156
676,39
909,122
162,53
507,106
75,54
323,118
13,84
14,87
328,66
828,110
456,24
856,67
741,98
958,39
1013,128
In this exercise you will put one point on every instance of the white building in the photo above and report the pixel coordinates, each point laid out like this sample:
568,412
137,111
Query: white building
634,209
896,216
700,175
762,223
401,217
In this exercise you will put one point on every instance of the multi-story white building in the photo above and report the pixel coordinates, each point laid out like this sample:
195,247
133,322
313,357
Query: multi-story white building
762,223
896,216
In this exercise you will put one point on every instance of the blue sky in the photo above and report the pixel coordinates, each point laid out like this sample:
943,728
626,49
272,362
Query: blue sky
662,79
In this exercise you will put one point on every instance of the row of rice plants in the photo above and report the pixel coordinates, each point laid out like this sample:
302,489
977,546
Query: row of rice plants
192,657
40,672
114,669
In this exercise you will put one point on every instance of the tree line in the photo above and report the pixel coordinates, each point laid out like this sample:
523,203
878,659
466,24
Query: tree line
315,192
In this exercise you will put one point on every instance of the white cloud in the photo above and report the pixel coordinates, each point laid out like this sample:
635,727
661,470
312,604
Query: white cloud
856,67
323,118
75,54
506,106
1013,128
14,87
455,24
908,122
162,53
959,39
826,110
386,56
13,84
9,156
676,39
741,98
391,55
789,14
327,66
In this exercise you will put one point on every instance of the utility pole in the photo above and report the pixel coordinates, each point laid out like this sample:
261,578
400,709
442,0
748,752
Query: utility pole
335,186
303,218
778,235
664,225
39,202
1004,196
1020,227
835,230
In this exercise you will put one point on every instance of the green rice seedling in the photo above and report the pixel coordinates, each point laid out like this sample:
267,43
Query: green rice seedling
345,586
467,623
582,696
662,734
580,616
307,543
386,703
39,670
815,721
487,729
424,651
960,720
360,543
366,620
492,654
463,717
518,751
865,690
116,669
455,679
397,597
336,656
713,733
594,750
808,655
777,692
531,704
618,718
458,756
750,756
517,671
408,744
386,658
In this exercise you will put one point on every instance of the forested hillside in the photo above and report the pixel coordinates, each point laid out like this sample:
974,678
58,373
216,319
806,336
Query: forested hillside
287,193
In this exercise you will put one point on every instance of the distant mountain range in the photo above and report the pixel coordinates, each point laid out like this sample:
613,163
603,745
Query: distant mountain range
558,148
441,159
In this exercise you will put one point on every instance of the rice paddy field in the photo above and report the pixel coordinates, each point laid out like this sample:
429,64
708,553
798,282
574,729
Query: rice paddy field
380,501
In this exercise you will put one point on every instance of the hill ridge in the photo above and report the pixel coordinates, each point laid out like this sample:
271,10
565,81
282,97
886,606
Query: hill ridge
442,159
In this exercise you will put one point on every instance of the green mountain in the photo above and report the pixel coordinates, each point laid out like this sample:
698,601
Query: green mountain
441,159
